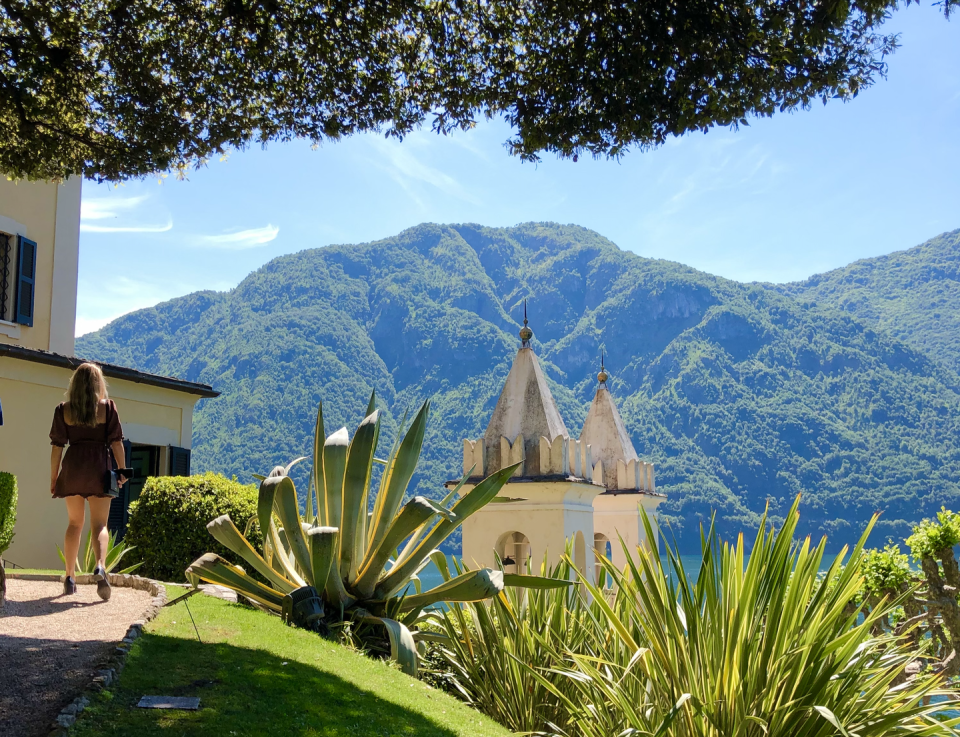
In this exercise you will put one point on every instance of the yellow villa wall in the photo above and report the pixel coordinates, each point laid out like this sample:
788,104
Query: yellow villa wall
617,517
50,215
30,392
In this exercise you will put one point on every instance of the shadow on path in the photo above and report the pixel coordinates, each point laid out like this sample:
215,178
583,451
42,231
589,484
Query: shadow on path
39,677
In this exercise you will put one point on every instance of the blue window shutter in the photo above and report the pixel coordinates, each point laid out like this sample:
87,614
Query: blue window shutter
26,280
179,461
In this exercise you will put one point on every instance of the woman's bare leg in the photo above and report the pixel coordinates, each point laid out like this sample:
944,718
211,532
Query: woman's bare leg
71,541
99,511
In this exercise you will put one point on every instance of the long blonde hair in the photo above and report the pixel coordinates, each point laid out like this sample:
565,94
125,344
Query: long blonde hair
87,389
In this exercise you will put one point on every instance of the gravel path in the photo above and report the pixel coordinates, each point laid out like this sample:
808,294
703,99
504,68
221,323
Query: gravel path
51,645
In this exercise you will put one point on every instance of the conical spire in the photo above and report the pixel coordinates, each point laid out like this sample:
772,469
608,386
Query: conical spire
526,408
604,431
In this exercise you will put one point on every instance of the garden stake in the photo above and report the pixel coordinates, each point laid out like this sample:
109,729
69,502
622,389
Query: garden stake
184,600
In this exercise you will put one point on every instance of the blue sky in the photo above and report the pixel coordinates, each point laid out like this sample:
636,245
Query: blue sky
779,200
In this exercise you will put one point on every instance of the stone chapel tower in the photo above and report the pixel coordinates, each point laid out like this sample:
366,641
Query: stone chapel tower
628,481
587,490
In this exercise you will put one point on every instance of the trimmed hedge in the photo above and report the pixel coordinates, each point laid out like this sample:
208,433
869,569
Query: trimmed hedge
8,509
168,523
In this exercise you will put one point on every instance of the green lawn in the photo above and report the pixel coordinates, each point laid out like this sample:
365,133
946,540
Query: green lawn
256,676
59,572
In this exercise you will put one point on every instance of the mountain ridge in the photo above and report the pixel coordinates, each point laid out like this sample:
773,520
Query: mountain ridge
738,392
913,294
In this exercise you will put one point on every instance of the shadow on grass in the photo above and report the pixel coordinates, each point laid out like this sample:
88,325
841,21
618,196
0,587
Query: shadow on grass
245,691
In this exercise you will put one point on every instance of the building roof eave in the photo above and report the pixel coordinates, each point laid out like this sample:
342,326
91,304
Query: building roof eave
109,370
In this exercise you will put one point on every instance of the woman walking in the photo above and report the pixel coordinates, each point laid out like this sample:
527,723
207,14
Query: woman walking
88,421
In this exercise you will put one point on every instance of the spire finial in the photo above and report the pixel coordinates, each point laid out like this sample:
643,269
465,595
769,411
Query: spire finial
525,332
603,375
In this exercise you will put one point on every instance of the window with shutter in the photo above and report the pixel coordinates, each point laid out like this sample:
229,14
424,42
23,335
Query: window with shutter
26,280
179,461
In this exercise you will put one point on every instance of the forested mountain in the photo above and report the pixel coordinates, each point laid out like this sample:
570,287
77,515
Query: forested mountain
913,295
740,394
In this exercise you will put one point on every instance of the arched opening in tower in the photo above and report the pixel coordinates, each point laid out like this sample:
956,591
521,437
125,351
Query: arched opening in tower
515,552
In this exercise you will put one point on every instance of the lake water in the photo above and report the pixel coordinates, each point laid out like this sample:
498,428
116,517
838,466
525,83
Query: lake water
431,577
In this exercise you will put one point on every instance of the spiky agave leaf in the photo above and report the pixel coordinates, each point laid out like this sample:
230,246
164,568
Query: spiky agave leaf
287,506
323,542
356,484
334,462
212,568
403,648
473,500
396,476
417,536
316,473
414,513
226,533
471,586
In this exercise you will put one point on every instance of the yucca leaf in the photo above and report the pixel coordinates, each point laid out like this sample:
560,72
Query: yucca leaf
403,649
372,404
214,569
540,583
473,500
356,484
287,506
414,513
323,550
316,473
334,462
471,586
226,533
396,476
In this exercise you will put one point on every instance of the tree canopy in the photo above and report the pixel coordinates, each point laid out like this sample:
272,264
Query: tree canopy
118,89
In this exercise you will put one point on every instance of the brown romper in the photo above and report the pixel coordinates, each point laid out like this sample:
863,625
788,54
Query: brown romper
85,462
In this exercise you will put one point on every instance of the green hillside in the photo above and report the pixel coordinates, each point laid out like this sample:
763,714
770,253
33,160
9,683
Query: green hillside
738,393
913,295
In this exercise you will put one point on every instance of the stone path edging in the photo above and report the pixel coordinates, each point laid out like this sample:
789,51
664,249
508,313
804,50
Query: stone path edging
106,676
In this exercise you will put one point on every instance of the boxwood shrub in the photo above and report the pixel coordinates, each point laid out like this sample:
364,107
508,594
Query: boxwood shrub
168,523
8,509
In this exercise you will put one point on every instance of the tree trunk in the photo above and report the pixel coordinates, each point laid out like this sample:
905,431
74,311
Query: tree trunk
942,597
3,584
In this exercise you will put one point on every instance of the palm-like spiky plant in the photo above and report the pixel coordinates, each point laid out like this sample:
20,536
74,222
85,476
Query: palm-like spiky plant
341,563
87,561
768,644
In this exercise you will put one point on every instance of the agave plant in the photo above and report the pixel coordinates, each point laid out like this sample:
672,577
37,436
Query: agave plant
115,552
337,563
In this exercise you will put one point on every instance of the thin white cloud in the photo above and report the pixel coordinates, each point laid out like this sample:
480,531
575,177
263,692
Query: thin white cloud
239,240
407,170
101,208
87,228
